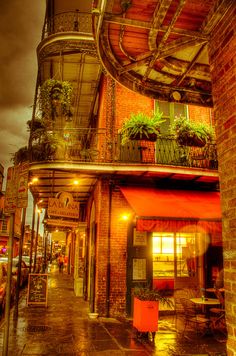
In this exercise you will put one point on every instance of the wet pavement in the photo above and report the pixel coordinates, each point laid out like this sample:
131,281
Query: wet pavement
64,328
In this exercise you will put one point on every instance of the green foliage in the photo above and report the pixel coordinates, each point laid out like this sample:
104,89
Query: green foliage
44,144
20,156
189,133
54,93
37,128
45,149
140,126
145,293
35,124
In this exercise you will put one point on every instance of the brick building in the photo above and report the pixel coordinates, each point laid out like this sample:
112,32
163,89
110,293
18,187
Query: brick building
150,213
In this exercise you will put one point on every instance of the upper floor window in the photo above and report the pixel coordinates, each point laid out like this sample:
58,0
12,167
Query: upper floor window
170,112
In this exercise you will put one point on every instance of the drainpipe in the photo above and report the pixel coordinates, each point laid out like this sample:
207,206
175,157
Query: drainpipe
36,242
8,286
19,263
32,237
45,251
109,252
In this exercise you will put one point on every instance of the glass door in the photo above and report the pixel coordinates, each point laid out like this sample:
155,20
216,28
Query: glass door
174,260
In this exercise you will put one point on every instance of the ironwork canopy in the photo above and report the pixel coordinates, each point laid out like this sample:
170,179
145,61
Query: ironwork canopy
159,48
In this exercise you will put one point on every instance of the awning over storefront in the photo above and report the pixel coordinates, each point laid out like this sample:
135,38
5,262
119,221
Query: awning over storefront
174,210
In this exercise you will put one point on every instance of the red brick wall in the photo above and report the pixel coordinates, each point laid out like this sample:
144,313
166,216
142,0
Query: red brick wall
118,248
101,213
199,113
118,253
128,102
222,49
117,104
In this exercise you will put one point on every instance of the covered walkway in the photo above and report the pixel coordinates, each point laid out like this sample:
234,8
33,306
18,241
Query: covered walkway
64,328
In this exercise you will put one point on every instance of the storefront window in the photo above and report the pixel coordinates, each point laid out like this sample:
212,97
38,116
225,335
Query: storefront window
163,255
174,254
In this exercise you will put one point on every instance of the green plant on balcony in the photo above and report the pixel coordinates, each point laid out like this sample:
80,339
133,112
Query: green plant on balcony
141,127
190,133
20,156
45,149
44,144
56,96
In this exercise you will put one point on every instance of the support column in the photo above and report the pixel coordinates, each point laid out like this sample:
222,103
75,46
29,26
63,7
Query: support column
222,57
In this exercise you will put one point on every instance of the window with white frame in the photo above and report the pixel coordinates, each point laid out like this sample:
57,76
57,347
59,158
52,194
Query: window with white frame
170,112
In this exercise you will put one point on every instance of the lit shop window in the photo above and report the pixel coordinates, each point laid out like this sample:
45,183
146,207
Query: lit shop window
174,255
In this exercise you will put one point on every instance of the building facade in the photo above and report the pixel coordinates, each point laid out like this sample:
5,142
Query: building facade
150,213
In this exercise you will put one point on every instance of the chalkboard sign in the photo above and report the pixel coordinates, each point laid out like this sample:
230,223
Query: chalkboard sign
37,289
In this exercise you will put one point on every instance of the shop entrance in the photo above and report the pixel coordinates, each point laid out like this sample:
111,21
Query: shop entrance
175,262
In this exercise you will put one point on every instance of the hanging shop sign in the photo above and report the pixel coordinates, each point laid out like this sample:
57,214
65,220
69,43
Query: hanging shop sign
11,191
63,223
64,205
22,187
16,188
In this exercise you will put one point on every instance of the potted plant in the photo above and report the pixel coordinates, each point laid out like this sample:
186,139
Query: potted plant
141,127
146,309
43,147
53,94
190,133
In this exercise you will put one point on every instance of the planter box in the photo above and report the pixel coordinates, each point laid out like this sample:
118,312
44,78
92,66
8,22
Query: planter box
151,137
145,316
191,141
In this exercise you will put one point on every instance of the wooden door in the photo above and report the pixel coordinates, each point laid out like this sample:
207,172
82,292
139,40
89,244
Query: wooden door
139,263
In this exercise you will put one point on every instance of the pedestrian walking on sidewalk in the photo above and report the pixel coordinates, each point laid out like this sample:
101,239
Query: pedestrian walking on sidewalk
60,261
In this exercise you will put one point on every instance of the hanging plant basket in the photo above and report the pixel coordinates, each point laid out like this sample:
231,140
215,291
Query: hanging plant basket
191,141
141,126
190,133
54,94
151,137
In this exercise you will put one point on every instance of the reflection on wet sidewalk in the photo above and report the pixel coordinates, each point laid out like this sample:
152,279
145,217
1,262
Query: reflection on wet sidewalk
64,328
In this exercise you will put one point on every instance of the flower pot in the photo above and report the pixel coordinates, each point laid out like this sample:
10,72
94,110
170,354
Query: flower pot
145,316
191,141
151,137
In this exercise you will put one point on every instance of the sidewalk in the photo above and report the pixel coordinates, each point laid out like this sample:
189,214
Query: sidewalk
63,328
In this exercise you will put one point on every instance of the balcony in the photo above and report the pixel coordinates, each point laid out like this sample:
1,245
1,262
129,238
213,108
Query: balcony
94,146
71,21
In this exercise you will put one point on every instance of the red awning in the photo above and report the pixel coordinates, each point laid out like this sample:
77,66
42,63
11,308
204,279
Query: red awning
155,207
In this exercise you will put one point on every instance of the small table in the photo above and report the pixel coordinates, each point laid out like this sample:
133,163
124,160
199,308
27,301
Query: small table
206,302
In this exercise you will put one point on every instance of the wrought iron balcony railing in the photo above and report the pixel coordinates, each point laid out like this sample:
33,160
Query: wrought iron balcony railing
93,145
73,21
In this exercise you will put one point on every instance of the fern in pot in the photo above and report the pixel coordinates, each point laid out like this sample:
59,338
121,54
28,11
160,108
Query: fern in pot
141,127
190,133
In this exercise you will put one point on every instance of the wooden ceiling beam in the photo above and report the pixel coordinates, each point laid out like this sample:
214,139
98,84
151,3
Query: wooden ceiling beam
147,25
157,20
169,49
179,45
190,66
164,39
136,64
215,15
